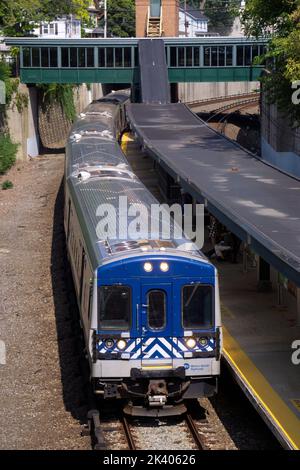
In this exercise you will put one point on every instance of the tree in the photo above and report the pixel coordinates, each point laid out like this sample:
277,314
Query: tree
121,18
280,20
260,17
18,17
221,14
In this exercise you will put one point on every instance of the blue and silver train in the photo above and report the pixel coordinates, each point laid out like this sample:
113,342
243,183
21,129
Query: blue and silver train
149,308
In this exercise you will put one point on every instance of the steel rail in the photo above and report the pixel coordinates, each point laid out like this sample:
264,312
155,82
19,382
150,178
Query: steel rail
195,433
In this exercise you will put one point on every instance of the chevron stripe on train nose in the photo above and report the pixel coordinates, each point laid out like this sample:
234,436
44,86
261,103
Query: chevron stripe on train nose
159,348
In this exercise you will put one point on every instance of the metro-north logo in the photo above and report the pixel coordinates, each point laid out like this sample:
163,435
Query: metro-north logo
2,353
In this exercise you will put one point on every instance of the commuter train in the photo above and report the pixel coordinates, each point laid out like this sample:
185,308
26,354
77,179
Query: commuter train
149,308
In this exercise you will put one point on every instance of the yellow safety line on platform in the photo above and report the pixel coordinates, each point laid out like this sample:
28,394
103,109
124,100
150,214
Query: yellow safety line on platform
261,389
249,374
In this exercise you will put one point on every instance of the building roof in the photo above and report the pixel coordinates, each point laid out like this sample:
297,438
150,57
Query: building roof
194,13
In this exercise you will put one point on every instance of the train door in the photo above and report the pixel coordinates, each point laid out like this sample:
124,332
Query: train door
156,325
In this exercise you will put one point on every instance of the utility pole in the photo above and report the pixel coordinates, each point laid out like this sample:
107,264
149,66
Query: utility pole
105,18
185,20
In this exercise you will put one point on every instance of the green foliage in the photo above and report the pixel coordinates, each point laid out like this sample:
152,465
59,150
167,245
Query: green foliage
8,151
280,19
7,185
10,86
262,17
121,18
61,94
221,14
18,17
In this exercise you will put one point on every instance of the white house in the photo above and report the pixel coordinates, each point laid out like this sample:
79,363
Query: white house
61,28
192,23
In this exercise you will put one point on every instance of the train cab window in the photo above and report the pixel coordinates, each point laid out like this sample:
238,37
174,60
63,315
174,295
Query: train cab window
156,301
197,306
114,306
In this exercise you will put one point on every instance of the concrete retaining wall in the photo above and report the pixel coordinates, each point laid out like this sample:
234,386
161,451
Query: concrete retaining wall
280,144
23,127
200,91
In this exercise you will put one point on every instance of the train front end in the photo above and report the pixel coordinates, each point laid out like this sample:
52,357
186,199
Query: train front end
156,330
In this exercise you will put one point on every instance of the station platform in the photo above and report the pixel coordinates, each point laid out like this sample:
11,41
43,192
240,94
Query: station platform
252,199
258,335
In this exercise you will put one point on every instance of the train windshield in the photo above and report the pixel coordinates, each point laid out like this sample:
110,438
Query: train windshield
114,306
197,306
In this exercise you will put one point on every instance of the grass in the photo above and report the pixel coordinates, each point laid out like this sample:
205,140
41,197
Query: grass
8,151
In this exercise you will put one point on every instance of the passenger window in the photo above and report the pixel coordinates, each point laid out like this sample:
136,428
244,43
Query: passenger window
156,309
114,307
197,306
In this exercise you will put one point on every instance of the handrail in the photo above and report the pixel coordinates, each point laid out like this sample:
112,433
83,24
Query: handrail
148,21
161,22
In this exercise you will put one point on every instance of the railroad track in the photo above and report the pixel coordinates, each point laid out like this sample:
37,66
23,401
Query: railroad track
223,99
118,429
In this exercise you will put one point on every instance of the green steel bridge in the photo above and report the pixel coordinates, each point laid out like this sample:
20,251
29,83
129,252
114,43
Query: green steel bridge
116,61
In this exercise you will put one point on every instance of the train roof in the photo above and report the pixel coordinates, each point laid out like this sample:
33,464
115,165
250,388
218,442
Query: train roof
98,173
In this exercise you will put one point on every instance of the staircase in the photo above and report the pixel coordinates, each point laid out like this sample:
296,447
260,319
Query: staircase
154,25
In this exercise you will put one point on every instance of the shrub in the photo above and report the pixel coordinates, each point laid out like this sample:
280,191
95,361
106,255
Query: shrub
7,185
8,151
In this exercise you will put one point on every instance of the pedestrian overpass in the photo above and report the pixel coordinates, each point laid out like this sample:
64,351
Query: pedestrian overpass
116,61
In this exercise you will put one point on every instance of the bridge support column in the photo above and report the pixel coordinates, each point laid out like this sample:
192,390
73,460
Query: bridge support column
264,276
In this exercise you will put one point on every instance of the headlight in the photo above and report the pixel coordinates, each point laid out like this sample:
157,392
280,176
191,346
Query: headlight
203,341
109,343
121,344
191,343
148,267
164,267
